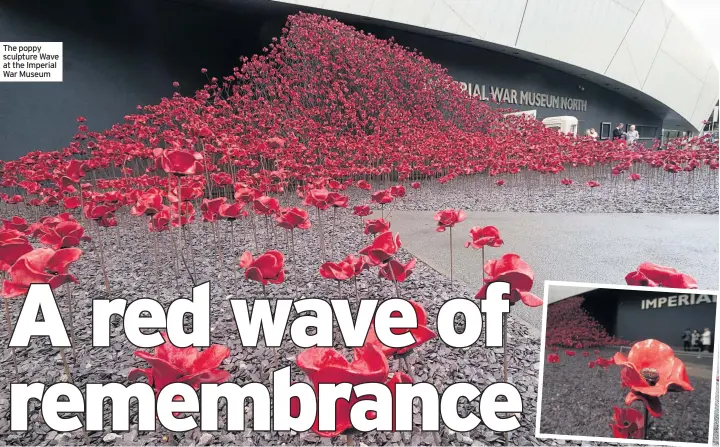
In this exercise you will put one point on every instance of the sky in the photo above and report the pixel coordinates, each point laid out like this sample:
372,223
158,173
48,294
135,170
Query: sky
702,17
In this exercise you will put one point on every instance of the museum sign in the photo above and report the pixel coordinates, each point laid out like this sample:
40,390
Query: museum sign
523,97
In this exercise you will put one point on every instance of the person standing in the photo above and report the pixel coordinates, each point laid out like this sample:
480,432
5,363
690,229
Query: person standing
618,133
686,339
706,340
632,135
694,337
593,134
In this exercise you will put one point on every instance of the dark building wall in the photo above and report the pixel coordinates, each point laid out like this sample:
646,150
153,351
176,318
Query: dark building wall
117,56
479,66
666,320
129,52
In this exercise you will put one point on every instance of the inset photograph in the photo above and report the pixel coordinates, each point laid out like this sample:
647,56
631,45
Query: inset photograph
625,362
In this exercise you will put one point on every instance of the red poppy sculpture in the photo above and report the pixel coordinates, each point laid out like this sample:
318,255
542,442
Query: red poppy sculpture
326,365
266,268
170,364
653,275
650,371
448,218
628,423
512,269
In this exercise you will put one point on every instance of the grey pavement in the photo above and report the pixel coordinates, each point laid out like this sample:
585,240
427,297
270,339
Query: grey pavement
579,247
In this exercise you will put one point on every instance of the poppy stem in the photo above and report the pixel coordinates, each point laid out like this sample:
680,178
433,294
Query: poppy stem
357,292
482,268
322,234
350,440
332,234
296,279
254,228
10,331
505,363
102,260
451,261
71,310
645,422
339,290
392,275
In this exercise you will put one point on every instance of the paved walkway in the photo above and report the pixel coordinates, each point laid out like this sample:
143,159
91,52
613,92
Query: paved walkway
599,248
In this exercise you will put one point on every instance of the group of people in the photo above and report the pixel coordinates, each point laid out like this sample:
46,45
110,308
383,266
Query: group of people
619,133
630,136
693,340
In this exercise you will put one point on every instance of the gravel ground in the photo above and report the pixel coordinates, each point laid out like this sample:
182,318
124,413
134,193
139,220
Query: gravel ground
135,272
578,401
656,192
132,275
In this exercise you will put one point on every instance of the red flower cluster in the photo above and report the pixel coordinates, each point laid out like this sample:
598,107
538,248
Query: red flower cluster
569,325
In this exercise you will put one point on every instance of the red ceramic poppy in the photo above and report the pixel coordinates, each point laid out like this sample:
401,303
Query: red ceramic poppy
362,184
319,198
71,203
382,248
591,364
570,353
246,195
211,208
267,268
357,262
41,265
232,211
64,235
397,191
339,271
362,210
628,423
448,218
16,223
482,236
74,171
510,268
292,218
653,275
651,368
603,362
553,358
338,200
382,197
375,226
393,267
179,162
12,248
326,365
421,333
266,206
170,364
415,185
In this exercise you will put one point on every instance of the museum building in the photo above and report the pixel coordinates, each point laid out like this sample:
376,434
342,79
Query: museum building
627,62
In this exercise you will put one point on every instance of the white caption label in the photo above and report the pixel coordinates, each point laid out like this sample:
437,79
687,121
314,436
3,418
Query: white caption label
31,61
